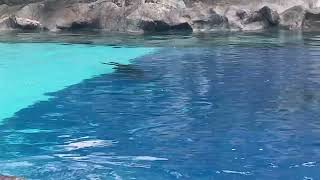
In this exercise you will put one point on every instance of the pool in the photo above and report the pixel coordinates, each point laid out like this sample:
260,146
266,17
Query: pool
228,106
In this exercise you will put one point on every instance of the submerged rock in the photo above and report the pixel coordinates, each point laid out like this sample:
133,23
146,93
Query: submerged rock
2,177
294,100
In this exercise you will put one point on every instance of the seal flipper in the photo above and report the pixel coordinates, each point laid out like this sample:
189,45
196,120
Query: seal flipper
111,63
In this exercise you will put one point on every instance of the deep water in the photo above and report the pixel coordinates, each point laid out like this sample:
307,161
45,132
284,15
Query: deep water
228,106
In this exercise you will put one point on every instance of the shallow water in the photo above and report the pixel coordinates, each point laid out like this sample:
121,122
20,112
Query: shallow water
228,106
30,70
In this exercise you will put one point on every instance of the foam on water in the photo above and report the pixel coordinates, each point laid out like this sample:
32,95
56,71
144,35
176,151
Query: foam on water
30,70
87,144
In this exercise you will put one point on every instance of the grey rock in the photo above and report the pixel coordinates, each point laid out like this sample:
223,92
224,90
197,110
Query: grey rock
31,11
13,22
17,2
203,18
27,24
101,14
157,15
234,19
7,23
242,14
266,16
312,20
270,15
293,18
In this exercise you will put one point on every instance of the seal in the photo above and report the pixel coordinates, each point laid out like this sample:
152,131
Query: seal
128,69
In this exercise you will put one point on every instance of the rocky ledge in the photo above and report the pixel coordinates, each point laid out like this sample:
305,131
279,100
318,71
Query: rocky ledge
159,15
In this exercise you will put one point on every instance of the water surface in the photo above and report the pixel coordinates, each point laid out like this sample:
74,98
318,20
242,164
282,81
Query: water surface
230,106
30,70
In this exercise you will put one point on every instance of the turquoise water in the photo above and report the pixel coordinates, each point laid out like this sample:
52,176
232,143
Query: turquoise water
30,70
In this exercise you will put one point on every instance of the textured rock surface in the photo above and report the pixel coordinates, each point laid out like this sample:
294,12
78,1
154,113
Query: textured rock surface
293,18
312,19
158,15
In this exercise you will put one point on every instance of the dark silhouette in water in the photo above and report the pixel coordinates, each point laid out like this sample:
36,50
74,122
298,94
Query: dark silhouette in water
127,69
297,99
309,97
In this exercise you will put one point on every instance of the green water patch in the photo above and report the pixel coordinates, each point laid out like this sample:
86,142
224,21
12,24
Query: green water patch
30,70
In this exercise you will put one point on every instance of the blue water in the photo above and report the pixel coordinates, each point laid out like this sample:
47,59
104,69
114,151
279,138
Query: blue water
30,70
242,106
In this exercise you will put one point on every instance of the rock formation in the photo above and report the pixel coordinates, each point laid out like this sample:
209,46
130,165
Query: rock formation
159,15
